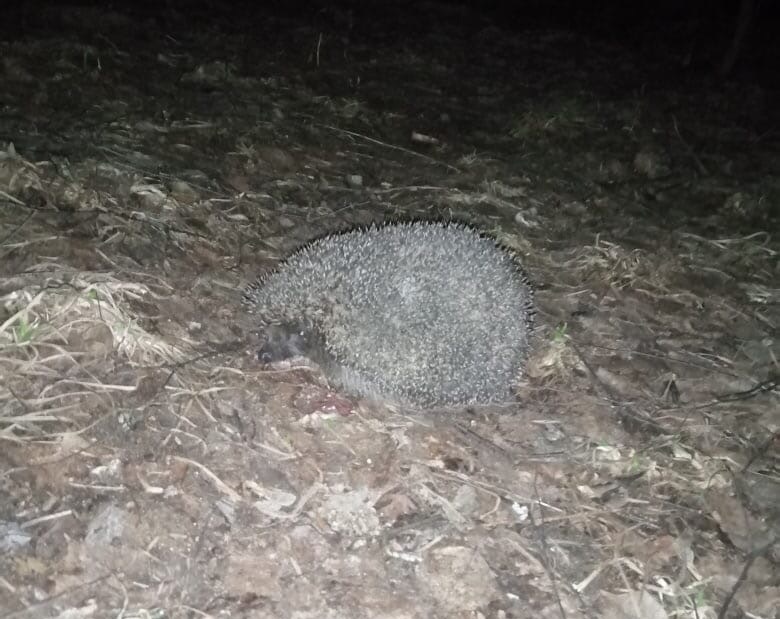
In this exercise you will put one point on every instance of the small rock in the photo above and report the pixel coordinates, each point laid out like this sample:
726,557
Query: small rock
354,181
458,578
12,537
107,526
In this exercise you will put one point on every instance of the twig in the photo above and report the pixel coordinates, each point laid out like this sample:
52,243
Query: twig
221,485
414,153
702,170
30,215
754,554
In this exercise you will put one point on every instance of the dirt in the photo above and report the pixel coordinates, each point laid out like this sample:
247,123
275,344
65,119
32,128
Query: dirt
156,160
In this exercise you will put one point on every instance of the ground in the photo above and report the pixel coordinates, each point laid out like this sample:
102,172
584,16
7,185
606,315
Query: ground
154,163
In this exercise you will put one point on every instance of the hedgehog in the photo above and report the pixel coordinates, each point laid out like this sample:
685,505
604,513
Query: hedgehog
420,314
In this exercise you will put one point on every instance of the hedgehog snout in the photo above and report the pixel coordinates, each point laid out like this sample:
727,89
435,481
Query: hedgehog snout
283,342
263,356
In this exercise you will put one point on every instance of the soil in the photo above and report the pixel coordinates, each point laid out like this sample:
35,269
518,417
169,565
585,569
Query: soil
155,160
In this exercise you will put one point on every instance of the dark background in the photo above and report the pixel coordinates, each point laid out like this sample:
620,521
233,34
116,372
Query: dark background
696,34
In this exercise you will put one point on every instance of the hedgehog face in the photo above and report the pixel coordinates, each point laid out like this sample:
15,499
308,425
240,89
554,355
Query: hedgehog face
285,342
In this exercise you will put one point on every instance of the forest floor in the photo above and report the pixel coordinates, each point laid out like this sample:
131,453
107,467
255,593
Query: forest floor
152,166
